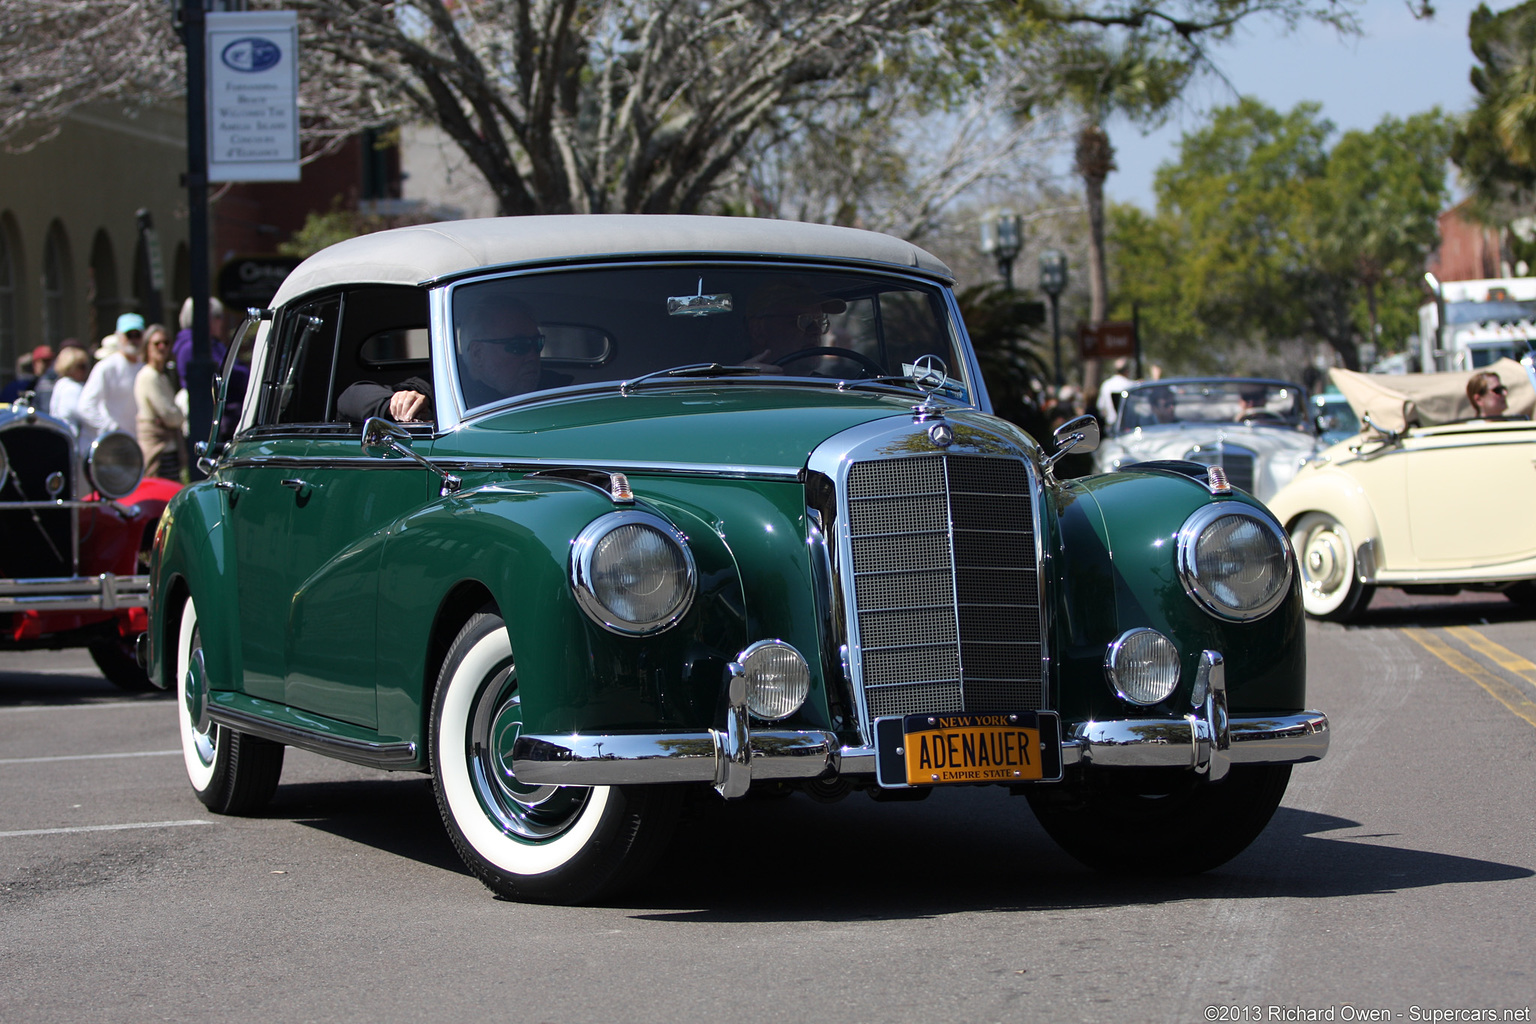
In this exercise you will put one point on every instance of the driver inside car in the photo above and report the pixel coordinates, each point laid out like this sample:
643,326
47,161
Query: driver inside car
499,356
784,319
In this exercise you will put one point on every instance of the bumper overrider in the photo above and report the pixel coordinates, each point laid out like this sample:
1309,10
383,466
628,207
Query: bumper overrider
105,592
1207,740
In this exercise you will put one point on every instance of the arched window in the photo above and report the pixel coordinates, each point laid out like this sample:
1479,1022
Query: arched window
57,287
103,297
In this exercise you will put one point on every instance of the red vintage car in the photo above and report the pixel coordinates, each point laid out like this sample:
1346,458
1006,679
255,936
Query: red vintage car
74,534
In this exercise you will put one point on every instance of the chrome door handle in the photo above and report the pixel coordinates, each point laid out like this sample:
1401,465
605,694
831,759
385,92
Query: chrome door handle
294,484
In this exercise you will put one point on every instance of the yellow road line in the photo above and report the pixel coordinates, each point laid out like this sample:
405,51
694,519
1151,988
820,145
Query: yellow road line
1501,690
1501,656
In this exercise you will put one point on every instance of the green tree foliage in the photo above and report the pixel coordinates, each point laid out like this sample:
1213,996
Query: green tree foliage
1263,232
1495,149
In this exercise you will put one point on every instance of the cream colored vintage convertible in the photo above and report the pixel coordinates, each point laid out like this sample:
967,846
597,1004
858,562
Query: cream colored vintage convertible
1425,498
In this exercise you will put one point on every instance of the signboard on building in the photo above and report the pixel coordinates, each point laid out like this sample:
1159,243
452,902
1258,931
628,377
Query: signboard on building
248,281
253,96
1109,340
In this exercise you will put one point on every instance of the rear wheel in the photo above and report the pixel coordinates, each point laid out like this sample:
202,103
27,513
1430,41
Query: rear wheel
1132,822
115,657
542,844
231,772
1330,578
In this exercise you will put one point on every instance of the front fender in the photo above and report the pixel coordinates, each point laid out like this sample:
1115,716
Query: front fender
1115,566
514,540
191,556
1326,488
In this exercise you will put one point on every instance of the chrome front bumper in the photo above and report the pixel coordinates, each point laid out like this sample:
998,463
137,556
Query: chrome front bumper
106,592
1207,741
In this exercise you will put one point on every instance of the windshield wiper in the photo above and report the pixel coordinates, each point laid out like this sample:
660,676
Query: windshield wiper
690,370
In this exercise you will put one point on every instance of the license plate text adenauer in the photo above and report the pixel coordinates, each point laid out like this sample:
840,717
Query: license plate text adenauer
970,748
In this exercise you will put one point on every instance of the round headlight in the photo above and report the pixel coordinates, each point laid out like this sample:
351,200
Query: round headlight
778,679
632,572
1142,666
1234,561
116,464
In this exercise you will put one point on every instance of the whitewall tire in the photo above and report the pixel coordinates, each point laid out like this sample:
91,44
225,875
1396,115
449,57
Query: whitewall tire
548,844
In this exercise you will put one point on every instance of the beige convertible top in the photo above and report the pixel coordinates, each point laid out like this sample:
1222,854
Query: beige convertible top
1397,401
426,252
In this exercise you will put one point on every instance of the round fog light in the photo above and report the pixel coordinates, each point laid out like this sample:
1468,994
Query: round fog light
1142,666
777,677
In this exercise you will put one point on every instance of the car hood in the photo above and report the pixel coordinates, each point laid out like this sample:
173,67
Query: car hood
739,427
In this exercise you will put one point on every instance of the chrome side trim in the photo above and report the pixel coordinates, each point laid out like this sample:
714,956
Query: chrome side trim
105,592
388,756
545,466
718,757
1173,743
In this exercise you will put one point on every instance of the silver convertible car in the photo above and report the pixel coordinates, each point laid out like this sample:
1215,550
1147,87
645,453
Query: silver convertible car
1427,498
1259,431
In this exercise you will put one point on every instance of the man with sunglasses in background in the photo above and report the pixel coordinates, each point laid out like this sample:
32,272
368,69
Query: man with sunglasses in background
498,343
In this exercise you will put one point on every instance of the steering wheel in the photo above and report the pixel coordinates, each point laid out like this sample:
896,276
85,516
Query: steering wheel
1260,414
874,368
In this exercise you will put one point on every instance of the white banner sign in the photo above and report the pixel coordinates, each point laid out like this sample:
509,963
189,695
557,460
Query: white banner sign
253,96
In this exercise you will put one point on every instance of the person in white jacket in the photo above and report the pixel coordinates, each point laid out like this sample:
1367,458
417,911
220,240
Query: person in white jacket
106,401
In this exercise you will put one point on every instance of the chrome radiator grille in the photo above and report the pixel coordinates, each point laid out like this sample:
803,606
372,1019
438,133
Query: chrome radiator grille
945,582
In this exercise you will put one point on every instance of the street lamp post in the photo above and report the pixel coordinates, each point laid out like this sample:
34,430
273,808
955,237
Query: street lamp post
1053,281
1002,236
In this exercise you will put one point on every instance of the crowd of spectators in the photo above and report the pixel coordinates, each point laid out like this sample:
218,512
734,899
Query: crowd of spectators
135,382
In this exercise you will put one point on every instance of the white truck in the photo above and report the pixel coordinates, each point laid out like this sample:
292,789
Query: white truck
1474,323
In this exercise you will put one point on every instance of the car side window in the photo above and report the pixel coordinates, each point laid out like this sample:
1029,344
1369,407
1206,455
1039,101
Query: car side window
298,377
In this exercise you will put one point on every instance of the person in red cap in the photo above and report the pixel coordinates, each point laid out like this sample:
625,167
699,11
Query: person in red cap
39,380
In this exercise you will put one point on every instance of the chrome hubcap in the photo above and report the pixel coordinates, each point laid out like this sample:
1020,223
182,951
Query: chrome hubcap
195,706
523,811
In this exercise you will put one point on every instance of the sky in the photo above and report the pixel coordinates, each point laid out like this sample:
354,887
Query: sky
1400,66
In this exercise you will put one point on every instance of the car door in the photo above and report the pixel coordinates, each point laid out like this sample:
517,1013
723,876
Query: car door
347,503
257,476
1470,491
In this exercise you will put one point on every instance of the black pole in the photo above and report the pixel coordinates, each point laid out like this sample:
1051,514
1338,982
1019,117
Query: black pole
199,375
1056,338
1136,335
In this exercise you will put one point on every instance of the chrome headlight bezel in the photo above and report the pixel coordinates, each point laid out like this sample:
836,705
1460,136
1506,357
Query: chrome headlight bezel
1201,590
1127,689
115,465
586,582
784,702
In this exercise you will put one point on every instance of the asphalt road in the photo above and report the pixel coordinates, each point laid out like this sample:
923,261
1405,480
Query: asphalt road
1397,877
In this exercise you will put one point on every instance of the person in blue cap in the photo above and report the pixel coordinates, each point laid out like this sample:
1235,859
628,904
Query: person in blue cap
106,401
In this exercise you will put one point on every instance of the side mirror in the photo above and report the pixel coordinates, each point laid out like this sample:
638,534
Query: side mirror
380,436
1078,434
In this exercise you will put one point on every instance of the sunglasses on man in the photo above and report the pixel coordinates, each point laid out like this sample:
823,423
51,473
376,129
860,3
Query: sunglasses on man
516,344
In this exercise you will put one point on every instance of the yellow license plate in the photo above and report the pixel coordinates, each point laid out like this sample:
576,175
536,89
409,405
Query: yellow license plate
971,748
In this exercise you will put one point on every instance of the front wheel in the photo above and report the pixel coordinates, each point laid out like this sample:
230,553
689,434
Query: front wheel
1160,822
1330,578
231,772
540,844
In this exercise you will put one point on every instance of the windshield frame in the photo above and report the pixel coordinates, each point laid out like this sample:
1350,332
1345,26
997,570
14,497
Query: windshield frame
1229,385
451,411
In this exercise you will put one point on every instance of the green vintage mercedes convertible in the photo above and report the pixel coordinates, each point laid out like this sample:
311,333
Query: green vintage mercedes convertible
590,516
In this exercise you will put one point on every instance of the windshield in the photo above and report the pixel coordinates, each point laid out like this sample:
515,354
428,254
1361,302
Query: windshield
1260,403
533,332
